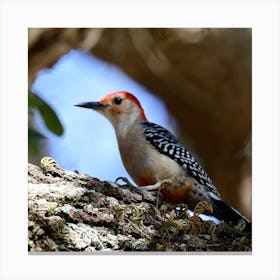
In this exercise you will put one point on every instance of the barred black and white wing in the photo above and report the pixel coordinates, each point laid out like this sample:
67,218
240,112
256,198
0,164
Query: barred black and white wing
166,143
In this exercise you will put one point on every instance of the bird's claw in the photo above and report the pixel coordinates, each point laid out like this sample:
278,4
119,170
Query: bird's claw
126,181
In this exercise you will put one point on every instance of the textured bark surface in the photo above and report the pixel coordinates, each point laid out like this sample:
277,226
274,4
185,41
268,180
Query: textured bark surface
203,76
74,212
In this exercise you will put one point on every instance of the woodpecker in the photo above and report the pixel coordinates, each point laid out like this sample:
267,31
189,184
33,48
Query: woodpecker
154,157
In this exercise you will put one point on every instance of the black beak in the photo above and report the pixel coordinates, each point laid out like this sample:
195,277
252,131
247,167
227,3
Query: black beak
93,105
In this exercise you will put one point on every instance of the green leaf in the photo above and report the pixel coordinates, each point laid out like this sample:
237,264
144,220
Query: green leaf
33,140
34,135
48,114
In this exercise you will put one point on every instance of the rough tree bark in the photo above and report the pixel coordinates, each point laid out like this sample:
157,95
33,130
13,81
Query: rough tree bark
68,211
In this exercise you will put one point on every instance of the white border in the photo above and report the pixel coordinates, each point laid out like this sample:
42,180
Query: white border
17,16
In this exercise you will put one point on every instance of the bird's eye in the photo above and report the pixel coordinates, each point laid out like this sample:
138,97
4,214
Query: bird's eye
117,100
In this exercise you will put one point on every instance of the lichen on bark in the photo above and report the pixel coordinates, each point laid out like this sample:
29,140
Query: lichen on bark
74,212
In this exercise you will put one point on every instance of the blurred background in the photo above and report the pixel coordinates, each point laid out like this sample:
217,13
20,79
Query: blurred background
196,82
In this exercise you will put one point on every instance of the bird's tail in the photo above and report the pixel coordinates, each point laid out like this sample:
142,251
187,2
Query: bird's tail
223,211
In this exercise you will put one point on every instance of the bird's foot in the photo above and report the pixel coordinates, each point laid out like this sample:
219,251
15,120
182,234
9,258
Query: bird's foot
157,186
127,182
